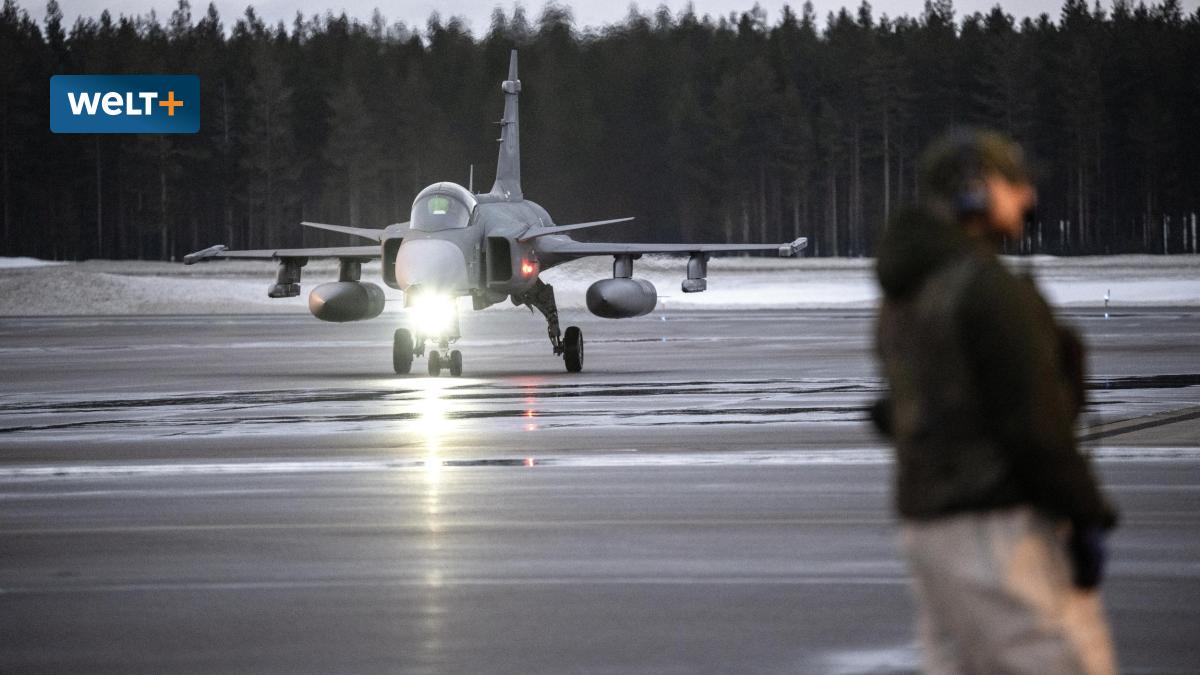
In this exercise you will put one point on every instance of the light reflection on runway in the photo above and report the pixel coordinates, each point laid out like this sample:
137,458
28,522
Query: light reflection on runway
434,423
434,420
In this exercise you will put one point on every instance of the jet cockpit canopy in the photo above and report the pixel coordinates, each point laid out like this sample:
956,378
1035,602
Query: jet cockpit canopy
442,206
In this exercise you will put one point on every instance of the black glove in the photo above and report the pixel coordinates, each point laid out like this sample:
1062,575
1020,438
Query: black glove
1087,555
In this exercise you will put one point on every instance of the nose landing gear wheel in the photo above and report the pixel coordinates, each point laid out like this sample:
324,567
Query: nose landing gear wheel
455,363
573,349
435,363
402,351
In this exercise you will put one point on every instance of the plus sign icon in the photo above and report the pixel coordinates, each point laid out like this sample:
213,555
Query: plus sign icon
124,104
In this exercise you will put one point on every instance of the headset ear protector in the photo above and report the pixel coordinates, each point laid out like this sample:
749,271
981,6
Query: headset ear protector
972,199
972,196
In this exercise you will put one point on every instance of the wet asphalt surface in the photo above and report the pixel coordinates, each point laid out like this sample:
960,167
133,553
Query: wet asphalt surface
216,494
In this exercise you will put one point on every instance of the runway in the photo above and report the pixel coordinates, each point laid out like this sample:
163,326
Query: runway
237,494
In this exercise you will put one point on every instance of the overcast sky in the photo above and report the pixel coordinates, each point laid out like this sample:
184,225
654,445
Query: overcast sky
478,12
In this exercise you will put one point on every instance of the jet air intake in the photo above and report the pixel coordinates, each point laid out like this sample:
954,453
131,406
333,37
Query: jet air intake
342,301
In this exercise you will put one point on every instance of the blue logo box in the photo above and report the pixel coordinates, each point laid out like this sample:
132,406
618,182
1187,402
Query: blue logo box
124,104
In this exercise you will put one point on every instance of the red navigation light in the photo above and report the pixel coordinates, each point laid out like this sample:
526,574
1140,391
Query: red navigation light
527,268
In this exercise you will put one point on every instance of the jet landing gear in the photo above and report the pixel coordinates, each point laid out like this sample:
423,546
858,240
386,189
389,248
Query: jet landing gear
572,349
405,348
453,361
402,351
441,319
569,345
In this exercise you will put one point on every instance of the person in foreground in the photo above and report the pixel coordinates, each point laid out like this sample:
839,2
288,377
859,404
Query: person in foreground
1002,521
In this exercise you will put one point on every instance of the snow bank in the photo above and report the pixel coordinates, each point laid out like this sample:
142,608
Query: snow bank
1134,280
14,263
1128,280
240,287
750,283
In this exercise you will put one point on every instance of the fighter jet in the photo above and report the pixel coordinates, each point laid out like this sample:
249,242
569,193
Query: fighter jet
491,247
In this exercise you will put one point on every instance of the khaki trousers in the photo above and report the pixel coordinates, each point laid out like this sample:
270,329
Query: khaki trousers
994,595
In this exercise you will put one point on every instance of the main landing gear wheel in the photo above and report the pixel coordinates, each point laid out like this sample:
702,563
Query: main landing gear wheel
435,363
455,363
573,349
402,351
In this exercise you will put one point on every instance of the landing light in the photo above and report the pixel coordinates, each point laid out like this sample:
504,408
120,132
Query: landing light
527,268
433,314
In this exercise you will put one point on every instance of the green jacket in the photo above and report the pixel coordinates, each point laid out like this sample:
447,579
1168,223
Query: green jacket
984,385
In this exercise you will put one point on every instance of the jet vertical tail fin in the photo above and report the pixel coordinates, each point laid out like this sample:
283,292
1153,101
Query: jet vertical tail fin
508,164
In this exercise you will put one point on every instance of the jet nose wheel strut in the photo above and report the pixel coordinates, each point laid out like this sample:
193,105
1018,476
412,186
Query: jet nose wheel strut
438,361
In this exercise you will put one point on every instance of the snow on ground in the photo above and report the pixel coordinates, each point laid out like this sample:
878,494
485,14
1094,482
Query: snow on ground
35,288
13,263
751,283
1128,279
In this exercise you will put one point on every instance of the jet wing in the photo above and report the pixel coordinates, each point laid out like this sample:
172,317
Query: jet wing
569,248
535,232
219,251
364,232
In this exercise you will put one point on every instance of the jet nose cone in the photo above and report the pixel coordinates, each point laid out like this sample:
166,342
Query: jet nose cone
431,264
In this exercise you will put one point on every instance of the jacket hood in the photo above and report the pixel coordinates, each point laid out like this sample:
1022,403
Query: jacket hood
916,243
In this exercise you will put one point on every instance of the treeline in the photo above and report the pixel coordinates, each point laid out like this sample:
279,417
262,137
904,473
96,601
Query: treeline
726,129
